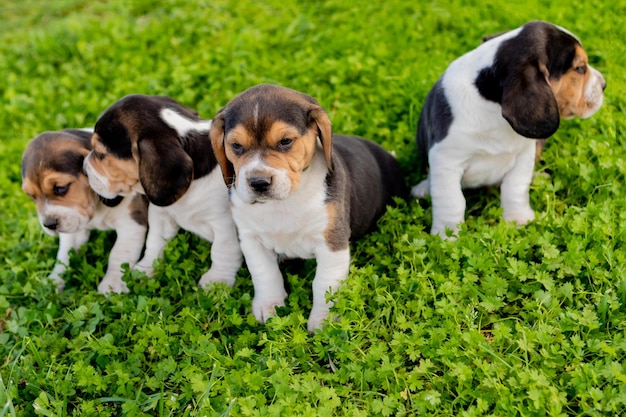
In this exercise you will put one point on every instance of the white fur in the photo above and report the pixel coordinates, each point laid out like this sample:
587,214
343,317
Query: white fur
127,248
69,219
294,227
481,148
281,185
203,210
182,124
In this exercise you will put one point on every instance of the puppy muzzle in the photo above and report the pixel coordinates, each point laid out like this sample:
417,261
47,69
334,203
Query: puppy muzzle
57,219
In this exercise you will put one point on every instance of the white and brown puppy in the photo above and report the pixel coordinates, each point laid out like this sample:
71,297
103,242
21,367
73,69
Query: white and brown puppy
158,147
52,175
297,190
476,122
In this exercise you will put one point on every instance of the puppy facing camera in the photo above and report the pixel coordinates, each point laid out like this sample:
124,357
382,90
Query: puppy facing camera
297,190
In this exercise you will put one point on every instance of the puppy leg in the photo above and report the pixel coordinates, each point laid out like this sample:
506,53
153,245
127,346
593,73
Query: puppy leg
332,269
514,191
269,289
162,228
447,197
127,248
225,253
67,242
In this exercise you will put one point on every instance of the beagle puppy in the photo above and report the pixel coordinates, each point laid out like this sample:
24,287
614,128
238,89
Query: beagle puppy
298,191
52,176
155,146
476,124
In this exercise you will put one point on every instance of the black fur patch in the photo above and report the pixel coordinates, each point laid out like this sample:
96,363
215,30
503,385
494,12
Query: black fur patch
434,123
137,117
43,153
111,202
364,181
537,42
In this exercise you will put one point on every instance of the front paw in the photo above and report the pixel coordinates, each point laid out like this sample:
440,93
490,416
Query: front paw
317,316
146,269
210,277
421,190
111,284
266,308
519,216
446,233
57,280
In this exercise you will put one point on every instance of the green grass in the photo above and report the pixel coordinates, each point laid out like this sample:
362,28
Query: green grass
505,321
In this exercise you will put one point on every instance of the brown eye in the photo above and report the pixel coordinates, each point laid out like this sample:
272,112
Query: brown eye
237,148
61,190
285,144
581,69
98,155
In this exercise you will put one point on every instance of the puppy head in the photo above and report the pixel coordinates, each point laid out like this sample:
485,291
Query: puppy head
139,145
266,137
545,75
52,176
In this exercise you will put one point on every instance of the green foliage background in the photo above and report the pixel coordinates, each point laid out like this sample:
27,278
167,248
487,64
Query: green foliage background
504,321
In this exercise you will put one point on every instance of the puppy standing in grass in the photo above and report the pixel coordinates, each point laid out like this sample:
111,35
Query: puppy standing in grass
155,146
297,190
476,122
52,175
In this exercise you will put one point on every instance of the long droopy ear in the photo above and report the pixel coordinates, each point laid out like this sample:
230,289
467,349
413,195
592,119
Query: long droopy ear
319,115
217,142
165,169
528,103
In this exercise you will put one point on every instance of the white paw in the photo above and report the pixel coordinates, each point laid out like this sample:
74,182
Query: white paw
264,309
317,316
421,190
210,277
57,280
111,284
148,270
519,216
443,232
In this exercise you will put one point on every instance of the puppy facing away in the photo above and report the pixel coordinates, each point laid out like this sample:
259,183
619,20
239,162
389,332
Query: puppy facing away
155,146
297,190
479,119
52,176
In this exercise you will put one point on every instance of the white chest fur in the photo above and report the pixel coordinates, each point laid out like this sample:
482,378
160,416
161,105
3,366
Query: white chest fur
294,226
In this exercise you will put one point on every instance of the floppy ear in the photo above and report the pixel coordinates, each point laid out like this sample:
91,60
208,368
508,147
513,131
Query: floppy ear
319,115
217,142
528,103
165,169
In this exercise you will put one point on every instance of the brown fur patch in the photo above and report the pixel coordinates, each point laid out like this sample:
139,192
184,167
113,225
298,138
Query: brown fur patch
139,209
569,89
79,195
337,232
122,174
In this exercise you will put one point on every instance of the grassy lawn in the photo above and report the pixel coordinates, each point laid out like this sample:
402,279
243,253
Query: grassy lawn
505,321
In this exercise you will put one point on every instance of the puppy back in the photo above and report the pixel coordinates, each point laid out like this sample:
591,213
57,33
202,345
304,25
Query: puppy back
368,177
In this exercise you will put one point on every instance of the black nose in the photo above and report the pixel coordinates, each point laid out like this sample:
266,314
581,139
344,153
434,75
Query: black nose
603,85
50,224
259,184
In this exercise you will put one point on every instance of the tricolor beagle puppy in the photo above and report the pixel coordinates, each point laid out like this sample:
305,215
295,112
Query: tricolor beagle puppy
476,122
155,146
52,175
297,190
